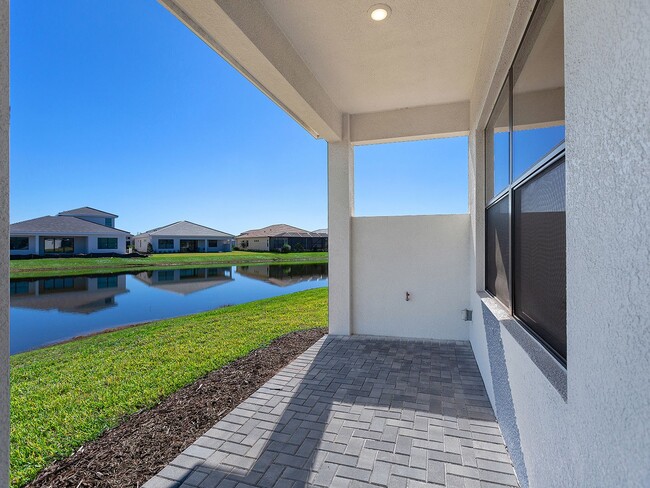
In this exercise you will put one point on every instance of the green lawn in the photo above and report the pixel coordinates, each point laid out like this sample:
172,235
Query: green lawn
65,395
35,268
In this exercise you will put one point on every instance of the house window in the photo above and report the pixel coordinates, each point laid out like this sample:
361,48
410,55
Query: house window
104,282
213,243
165,243
525,223
19,288
108,222
19,243
58,244
107,243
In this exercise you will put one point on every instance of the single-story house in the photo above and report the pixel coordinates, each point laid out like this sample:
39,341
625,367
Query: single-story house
184,236
274,237
70,294
80,231
285,275
186,281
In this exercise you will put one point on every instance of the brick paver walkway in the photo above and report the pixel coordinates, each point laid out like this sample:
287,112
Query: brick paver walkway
356,411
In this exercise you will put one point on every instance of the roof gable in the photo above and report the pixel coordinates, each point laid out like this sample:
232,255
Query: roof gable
277,230
87,212
60,225
185,228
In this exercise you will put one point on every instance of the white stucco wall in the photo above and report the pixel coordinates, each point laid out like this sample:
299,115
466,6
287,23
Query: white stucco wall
92,245
607,62
423,255
600,435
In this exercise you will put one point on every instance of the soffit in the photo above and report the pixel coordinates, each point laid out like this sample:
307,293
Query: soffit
425,53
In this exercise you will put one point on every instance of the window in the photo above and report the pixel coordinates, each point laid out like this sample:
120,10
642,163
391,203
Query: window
213,243
525,223
165,243
166,275
104,282
19,243
58,244
108,222
19,287
107,243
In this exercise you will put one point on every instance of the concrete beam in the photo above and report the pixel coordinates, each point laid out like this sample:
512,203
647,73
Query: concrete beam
4,242
245,35
432,121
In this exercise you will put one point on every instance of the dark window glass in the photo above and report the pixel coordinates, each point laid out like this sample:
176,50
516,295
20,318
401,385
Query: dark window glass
166,275
107,243
165,243
19,243
539,259
497,250
58,244
538,88
497,146
19,288
107,282
190,245
213,243
108,222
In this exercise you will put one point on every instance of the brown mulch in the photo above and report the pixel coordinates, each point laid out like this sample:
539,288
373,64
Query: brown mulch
131,453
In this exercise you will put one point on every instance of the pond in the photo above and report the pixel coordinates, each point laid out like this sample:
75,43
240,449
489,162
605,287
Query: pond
49,310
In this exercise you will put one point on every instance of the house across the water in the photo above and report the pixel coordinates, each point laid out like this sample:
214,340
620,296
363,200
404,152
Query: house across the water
275,237
184,236
83,230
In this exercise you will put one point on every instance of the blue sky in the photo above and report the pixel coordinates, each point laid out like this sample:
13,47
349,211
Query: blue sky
117,105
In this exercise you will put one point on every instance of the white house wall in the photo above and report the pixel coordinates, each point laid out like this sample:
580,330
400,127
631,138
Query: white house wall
587,424
93,249
255,244
425,256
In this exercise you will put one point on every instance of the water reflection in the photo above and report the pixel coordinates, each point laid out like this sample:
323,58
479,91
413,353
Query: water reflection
285,275
76,294
186,281
51,310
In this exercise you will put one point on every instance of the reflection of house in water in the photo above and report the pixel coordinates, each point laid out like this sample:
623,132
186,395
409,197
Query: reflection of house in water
285,275
186,281
76,294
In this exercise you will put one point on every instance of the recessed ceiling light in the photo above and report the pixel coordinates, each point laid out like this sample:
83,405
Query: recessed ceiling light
379,12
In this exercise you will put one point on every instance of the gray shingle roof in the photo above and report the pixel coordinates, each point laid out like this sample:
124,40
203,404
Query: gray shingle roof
87,212
60,225
277,230
186,229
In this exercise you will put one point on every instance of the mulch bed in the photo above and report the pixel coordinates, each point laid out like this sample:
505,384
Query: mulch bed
137,449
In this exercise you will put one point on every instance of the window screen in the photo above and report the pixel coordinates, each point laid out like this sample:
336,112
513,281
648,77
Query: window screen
539,256
497,230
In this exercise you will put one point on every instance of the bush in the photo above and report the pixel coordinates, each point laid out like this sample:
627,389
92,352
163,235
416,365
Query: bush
149,248
286,248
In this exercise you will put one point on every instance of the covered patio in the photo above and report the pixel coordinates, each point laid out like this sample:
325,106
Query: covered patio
357,411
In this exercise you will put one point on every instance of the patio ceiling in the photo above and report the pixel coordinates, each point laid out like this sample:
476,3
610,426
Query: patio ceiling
409,76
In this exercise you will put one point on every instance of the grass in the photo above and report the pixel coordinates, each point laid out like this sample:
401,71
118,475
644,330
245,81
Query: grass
66,395
37,268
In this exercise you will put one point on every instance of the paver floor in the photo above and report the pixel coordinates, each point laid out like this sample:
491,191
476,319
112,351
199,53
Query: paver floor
356,411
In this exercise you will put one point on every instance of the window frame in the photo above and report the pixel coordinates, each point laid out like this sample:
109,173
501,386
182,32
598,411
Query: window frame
554,156
62,251
105,246
14,248
165,247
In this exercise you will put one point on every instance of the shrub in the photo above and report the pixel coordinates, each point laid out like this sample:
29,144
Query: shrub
286,248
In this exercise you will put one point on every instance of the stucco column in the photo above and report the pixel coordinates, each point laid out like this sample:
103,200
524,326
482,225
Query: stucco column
340,195
4,242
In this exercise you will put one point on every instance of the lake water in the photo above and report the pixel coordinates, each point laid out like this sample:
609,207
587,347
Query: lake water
51,310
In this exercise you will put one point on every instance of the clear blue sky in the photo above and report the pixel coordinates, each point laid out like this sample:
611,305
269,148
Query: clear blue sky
117,105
